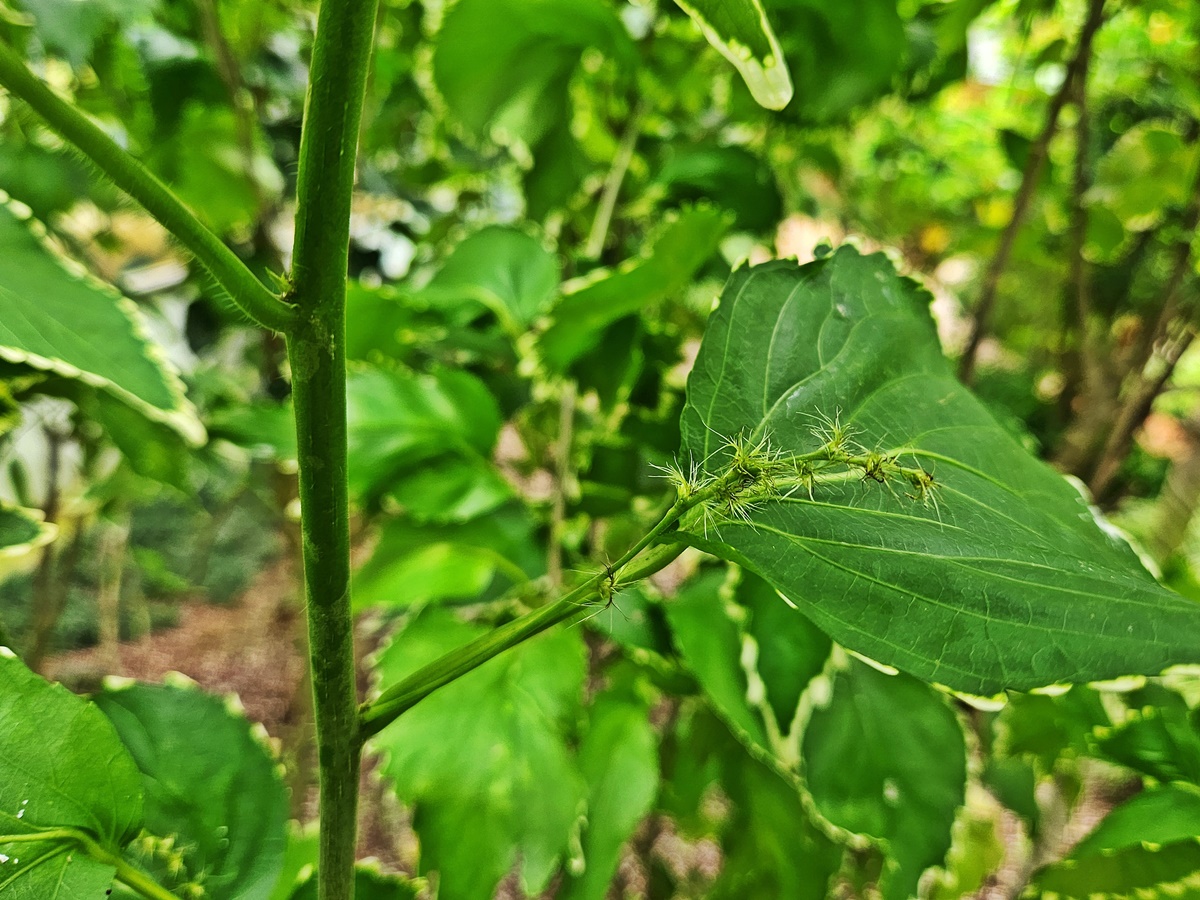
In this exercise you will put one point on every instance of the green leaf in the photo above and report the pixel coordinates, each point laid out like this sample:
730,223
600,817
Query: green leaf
886,758
957,582
415,564
369,884
504,269
710,641
732,178
1149,169
61,766
1159,737
72,28
210,784
66,322
840,55
1148,842
399,419
22,530
667,266
772,848
505,63
451,489
740,31
619,761
791,651
484,760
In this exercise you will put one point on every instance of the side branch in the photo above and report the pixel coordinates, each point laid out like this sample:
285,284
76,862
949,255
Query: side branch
249,294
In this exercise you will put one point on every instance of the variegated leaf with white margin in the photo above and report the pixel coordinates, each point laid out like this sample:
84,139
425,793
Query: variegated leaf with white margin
56,318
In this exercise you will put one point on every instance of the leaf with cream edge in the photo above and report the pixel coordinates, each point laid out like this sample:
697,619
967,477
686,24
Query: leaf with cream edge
996,575
69,323
22,530
739,29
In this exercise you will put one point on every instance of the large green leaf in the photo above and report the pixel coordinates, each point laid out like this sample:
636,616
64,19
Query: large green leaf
740,30
1145,845
619,761
22,530
591,303
210,785
68,323
886,758
62,766
992,573
484,760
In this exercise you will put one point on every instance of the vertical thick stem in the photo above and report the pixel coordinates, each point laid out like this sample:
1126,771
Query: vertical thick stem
317,355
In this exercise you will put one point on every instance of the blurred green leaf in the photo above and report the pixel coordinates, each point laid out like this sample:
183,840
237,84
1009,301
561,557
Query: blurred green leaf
484,760
1159,738
59,320
1146,844
399,419
414,563
618,758
740,31
210,783
22,530
73,28
61,766
732,178
505,270
953,583
685,243
1149,169
886,758
792,651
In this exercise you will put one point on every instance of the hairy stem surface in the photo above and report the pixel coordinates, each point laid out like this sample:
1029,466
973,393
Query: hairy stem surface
317,354
249,294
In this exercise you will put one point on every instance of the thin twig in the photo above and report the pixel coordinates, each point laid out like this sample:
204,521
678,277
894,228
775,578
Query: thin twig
1034,164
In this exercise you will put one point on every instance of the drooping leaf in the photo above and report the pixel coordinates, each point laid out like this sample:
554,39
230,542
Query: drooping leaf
898,777
1147,844
22,530
619,762
484,760
68,323
209,783
62,766
414,564
952,580
506,270
400,419
591,303
740,30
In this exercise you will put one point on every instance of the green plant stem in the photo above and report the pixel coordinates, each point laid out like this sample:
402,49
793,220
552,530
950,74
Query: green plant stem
317,354
612,183
575,606
250,295
128,875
